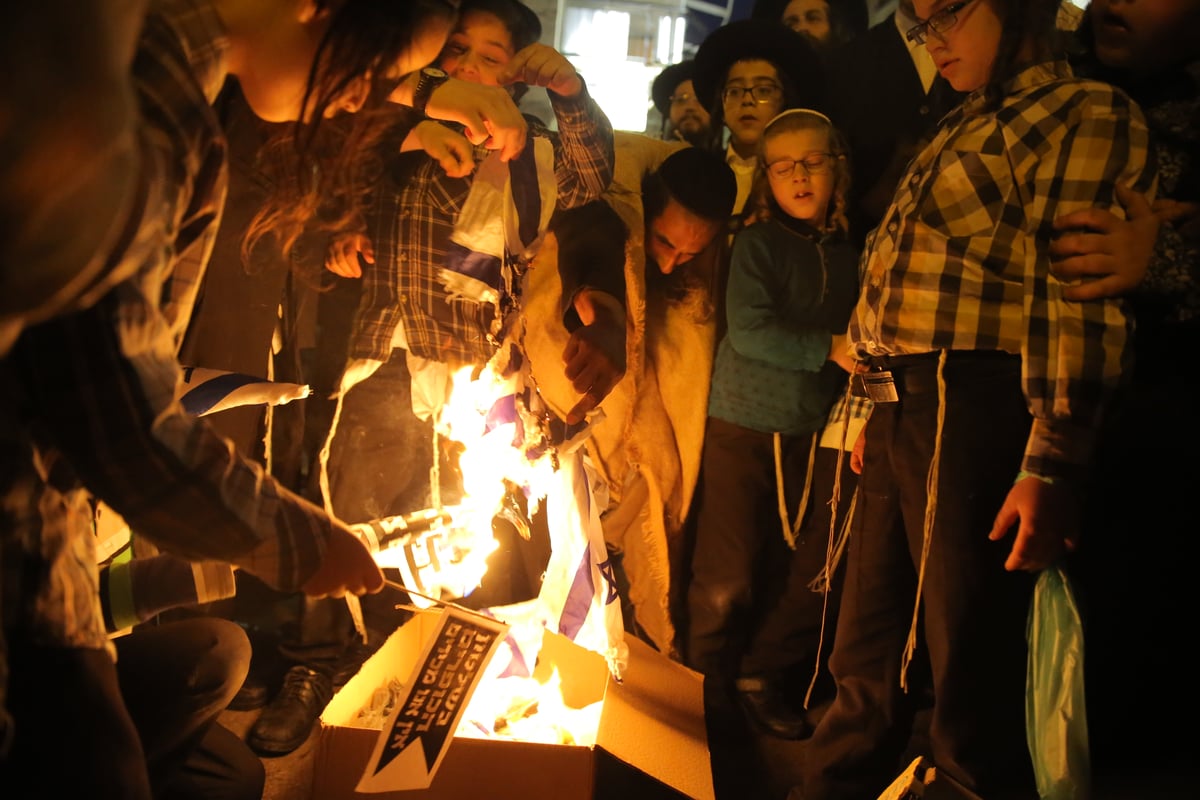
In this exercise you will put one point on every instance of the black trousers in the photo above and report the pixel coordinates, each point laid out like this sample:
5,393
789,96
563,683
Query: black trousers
799,630
176,678
740,563
86,728
973,612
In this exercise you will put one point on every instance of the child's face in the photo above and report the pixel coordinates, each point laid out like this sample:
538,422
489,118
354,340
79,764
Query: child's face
744,115
478,50
1145,36
800,170
965,50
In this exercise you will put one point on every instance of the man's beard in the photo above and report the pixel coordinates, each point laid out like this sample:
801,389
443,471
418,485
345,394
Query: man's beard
691,130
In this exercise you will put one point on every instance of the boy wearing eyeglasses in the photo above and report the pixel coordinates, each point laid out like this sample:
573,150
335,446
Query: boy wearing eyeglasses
793,279
746,73
989,388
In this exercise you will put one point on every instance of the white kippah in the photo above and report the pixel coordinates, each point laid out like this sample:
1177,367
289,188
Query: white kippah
790,111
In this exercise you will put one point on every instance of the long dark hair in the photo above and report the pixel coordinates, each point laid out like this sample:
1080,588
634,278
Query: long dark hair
321,168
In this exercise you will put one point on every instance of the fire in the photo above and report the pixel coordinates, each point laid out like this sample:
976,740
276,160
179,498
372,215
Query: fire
500,425
485,415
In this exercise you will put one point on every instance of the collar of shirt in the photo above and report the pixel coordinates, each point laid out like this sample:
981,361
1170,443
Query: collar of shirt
1023,81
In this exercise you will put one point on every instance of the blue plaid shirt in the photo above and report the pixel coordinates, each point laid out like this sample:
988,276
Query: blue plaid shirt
416,210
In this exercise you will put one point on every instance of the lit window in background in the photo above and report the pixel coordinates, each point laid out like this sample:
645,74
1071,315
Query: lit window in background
620,50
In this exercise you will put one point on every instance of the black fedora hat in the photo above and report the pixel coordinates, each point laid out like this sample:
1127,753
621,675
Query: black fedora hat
666,82
791,53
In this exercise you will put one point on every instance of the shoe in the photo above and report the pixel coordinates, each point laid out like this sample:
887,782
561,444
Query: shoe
287,721
253,694
768,709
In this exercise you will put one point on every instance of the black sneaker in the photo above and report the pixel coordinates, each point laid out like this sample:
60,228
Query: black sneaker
287,721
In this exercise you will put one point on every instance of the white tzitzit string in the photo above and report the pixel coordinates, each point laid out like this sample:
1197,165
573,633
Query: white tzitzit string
792,529
931,490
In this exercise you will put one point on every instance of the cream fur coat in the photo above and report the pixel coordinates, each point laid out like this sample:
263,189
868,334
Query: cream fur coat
647,446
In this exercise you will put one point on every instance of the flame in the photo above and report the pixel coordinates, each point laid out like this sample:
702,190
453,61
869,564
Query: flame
503,446
483,417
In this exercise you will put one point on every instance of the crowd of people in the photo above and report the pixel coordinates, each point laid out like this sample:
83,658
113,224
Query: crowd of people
868,334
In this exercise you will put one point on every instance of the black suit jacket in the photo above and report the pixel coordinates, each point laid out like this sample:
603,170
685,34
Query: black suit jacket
882,109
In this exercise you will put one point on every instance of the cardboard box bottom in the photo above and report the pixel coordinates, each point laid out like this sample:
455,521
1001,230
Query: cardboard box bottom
655,719
478,769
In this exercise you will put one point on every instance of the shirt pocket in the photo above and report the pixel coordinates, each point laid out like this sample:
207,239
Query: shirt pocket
446,197
967,195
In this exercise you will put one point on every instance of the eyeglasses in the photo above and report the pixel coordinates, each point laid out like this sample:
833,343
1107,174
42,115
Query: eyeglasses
815,164
940,22
761,93
680,99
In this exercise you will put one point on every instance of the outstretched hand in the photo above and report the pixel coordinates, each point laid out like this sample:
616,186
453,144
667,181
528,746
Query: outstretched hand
594,357
1110,254
348,567
542,65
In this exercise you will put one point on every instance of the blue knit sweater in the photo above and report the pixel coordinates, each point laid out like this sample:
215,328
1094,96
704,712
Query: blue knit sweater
790,290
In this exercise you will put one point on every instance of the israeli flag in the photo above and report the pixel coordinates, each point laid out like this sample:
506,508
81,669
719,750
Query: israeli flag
207,391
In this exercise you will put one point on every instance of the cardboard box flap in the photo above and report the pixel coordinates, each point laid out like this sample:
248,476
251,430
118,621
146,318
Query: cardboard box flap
654,720
394,658
651,724
582,674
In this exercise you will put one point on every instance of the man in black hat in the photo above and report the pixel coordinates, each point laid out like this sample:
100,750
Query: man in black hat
746,73
826,23
684,117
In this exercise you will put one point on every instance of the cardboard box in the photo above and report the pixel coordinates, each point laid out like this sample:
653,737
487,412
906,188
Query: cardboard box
920,781
651,740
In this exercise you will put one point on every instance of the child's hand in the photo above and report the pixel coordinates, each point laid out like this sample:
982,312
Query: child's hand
449,148
856,455
839,353
488,112
344,252
541,65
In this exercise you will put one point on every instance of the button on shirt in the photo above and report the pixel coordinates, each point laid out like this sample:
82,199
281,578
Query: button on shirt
961,259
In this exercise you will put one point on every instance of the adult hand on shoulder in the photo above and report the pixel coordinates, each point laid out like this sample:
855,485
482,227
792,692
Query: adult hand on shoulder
344,252
595,355
1047,520
542,65
1110,254
348,566
489,114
